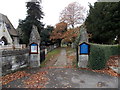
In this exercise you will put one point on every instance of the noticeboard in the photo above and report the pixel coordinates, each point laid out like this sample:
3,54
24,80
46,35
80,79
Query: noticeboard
84,48
33,48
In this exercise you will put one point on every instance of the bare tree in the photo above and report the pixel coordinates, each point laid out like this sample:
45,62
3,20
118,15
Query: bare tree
73,14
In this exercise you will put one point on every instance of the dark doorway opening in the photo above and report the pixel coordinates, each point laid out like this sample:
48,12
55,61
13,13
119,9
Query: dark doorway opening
5,40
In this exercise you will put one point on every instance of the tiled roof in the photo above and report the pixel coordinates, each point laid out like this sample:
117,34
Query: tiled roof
10,27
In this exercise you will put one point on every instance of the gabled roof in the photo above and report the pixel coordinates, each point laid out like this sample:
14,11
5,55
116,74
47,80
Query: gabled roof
84,43
35,31
11,29
34,36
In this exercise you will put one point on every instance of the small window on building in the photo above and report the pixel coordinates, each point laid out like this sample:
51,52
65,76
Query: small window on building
8,26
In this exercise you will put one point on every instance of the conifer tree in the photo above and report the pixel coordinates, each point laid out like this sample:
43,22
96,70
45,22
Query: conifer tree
103,22
34,15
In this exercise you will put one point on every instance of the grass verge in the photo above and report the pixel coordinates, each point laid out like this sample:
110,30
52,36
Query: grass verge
71,54
50,55
69,50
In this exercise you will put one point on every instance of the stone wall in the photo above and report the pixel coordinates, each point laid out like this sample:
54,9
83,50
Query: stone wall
14,59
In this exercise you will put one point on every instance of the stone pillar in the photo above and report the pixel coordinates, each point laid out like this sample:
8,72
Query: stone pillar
35,60
83,59
35,37
0,69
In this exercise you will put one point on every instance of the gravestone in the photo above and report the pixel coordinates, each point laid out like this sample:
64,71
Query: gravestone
35,38
83,58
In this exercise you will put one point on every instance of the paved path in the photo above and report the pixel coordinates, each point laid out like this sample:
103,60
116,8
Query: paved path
64,77
73,78
62,59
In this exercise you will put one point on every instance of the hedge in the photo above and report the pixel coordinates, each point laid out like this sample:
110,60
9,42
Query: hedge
99,54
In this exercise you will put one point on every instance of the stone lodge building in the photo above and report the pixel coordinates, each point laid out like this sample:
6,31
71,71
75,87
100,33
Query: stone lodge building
8,33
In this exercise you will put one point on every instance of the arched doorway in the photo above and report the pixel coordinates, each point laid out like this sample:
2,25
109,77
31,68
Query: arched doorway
5,40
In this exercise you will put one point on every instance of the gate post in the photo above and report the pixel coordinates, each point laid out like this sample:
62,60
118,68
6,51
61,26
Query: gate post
34,48
83,49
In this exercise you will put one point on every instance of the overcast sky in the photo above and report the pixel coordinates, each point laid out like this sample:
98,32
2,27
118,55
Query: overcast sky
16,9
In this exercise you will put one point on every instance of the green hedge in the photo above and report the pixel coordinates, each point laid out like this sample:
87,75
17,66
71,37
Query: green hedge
99,54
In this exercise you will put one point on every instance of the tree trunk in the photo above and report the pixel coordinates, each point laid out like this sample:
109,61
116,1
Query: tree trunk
72,25
59,42
118,39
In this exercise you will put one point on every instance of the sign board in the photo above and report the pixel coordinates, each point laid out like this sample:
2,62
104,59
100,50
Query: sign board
33,48
84,48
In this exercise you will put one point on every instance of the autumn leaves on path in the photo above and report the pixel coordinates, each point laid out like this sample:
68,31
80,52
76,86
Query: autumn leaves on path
62,59
34,77
59,74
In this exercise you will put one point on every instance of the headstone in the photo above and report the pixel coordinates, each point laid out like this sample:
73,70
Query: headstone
34,40
83,49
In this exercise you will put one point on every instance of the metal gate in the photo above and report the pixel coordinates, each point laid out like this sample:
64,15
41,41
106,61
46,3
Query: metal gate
42,53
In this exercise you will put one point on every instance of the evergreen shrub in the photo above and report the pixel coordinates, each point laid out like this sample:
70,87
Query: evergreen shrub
99,54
